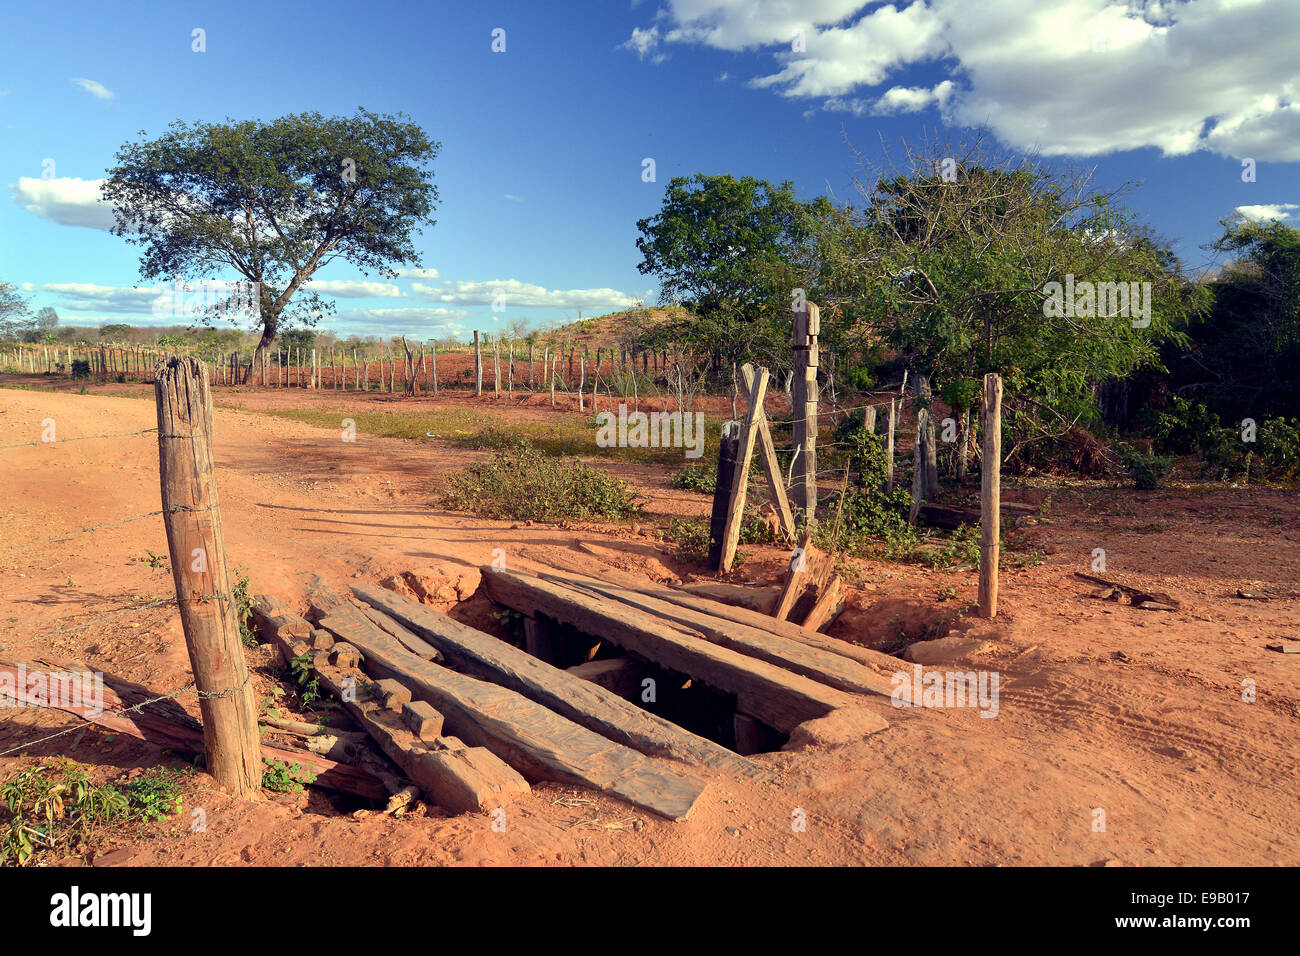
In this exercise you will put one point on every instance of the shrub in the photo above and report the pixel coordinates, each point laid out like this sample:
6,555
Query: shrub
522,484
53,807
702,478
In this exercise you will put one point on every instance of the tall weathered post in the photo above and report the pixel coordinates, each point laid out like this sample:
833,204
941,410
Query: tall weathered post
478,367
192,517
803,398
991,496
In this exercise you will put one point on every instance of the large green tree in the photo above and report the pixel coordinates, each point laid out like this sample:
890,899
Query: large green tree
951,259
275,202
728,250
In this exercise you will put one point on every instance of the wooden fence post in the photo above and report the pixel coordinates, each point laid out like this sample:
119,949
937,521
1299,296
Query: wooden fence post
478,367
991,495
192,516
433,365
807,326
889,448
918,465
496,366
736,493
728,448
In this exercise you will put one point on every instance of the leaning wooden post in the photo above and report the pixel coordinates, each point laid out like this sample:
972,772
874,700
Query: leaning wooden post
192,517
807,325
991,495
478,367
728,448
736,493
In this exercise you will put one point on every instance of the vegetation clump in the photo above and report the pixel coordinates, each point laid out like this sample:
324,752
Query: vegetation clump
522,483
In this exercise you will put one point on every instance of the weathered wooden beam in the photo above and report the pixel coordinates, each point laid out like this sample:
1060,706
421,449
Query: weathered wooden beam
180,732
586,703
769,692
536,741
800,658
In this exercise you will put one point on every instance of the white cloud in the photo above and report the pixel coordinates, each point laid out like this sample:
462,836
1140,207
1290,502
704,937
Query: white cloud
1268,211
354,288
94,88
644,43
897,99
513,198
418,273
523,294
1077,77
68,201
27,287
88,297
417,322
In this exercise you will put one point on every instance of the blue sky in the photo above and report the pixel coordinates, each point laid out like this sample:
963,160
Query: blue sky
542,145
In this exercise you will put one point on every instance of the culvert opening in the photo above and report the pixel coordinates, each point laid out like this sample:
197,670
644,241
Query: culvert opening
662,691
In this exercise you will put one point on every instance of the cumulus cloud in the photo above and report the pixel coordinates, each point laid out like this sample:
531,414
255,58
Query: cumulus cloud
1077,77
645,44
418,322
94,88
68,201
418,273
1267,211
523,294
354,288
88,297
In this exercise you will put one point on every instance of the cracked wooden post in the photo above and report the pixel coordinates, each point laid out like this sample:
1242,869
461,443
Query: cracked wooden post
991,495
196,543
807,326
728,449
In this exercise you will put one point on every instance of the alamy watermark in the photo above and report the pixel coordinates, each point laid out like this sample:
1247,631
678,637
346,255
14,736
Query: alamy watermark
179,299
1086,300
40,688
936,688
653,430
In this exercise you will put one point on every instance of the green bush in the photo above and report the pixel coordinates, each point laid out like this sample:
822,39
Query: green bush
523,484
702,477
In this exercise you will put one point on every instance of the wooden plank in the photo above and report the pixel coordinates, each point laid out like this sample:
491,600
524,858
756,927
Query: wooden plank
796,576
828,600
179,731
586,703
740,473
814,663
689,596
455,778
408,640
534,740
771,693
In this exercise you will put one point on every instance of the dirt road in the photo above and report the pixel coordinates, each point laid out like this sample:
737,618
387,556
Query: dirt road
1163,741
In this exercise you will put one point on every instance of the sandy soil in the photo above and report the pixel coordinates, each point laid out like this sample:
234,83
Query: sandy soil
1159,738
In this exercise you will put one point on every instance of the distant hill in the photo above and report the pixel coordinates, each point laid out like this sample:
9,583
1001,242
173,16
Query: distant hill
614,328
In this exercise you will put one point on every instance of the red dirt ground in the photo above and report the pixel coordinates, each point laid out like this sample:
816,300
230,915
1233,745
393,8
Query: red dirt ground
1185,770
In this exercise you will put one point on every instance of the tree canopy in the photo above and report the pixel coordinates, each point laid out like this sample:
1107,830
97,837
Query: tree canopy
275,202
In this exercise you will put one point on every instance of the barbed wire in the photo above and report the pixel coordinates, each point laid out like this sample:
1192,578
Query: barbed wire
86,530
61,441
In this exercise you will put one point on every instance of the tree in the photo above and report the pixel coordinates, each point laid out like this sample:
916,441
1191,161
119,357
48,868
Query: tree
726,249
14,306
951,261
1243,358
275,203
